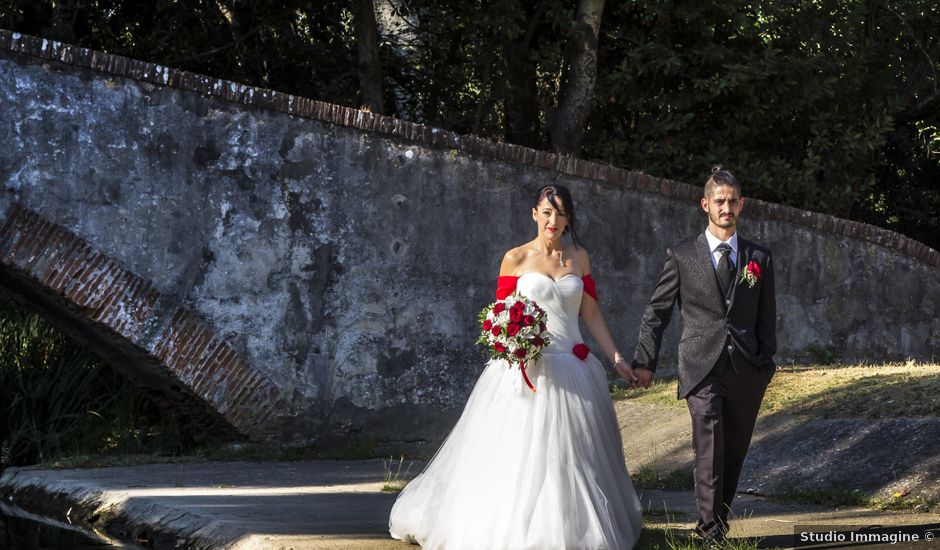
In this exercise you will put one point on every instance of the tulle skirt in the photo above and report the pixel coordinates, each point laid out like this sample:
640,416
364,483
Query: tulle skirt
524,470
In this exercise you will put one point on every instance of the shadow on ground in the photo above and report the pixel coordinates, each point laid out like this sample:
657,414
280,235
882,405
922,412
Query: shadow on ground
872,434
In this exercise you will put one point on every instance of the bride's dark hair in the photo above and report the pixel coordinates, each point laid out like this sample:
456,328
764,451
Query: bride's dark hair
554,193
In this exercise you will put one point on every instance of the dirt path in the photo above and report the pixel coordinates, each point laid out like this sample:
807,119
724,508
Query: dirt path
896,460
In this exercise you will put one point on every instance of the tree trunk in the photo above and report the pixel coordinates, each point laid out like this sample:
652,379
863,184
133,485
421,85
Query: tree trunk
432,110
520,102
401,30
520,82
920,74
567,122
367,47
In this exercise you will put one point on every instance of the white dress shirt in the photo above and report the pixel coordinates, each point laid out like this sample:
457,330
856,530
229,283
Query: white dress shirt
713,243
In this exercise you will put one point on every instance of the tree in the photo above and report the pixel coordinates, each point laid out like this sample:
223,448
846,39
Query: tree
370,65
521,110
826,105
569,120
805,101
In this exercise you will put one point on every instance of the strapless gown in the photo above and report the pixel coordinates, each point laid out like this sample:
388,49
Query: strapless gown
523,470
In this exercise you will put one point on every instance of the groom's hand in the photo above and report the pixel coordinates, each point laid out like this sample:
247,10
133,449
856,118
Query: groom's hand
625,372
644,377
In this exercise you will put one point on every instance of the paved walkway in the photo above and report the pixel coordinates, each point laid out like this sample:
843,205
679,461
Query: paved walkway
341,505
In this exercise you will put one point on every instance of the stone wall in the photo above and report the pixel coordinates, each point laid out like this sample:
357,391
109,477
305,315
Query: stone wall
343,255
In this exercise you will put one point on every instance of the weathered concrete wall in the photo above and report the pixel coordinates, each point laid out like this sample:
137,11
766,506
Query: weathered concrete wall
344,256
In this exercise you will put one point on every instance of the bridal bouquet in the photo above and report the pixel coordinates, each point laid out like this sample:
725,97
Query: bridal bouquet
514,329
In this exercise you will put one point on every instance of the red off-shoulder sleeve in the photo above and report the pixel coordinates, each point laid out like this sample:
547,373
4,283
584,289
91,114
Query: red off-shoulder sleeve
505,285
590,286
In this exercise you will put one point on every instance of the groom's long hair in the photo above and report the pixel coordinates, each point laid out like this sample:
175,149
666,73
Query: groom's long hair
553,193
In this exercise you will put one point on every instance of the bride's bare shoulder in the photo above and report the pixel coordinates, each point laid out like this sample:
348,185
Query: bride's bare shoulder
512,259
580,254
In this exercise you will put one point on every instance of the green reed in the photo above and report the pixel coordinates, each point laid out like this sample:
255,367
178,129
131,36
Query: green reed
58,399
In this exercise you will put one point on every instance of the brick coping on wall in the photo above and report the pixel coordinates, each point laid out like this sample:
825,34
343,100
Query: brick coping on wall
437,138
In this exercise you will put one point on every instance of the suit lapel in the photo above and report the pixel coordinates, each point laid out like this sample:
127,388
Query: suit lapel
703,258
744,256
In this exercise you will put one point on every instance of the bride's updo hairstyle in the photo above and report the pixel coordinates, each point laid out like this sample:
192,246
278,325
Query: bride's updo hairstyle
718,177
555,193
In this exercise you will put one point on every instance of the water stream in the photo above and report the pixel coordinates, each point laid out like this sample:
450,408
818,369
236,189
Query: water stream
21,530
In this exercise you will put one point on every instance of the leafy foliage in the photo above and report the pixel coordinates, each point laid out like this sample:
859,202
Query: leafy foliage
811,102
56,398
826,105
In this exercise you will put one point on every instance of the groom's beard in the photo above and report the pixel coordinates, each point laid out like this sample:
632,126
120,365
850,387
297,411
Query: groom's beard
725,223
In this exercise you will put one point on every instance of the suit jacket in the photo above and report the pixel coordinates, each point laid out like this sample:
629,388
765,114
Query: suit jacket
743,322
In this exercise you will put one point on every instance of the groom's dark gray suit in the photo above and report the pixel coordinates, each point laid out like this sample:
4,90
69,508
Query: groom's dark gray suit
726,354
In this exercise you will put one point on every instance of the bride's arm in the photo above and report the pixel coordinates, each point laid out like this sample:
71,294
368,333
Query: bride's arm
597,326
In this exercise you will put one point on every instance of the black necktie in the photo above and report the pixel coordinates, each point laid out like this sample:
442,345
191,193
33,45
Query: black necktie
725,269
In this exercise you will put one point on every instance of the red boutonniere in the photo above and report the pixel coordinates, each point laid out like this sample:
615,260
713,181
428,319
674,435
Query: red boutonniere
581,351
751,274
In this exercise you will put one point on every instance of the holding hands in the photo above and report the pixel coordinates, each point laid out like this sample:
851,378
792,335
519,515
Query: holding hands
637,378
644,378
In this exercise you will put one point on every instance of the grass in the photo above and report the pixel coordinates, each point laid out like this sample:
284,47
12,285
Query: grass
666,535
233,452
903,502
57,399
647,477
394,478
857,391
662,392
226,452
900,501
889,390
828,497
63,407
655,537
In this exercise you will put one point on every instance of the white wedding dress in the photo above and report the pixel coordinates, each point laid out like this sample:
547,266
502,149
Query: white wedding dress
524,470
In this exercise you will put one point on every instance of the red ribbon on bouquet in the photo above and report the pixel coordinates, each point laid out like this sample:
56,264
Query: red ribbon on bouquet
525,377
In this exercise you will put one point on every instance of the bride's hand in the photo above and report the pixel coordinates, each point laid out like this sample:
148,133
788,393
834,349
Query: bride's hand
626,372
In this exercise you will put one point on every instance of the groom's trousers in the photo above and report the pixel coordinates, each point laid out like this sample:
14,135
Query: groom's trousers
724,409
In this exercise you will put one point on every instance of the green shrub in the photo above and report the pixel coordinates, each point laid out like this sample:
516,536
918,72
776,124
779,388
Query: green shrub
56,398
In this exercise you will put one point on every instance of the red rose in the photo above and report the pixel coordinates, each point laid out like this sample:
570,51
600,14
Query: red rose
499,308
542,327
515,315
519,305
580,351
520,353
754,269
537,341
487,325
512,329
499,348
495,331
528,320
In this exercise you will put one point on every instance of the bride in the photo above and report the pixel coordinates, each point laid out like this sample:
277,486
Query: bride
534,470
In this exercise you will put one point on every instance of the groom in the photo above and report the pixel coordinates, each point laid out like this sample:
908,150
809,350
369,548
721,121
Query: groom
724,285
